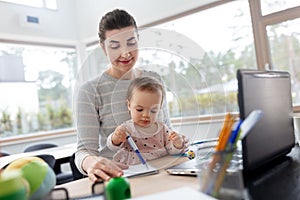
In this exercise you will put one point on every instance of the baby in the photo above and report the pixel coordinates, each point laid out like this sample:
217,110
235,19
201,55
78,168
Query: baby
153,138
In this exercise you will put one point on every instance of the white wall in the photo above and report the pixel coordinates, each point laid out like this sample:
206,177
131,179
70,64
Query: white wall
144,11
58,24
78,19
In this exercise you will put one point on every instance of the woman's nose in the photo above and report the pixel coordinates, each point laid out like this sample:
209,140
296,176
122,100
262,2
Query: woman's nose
125,54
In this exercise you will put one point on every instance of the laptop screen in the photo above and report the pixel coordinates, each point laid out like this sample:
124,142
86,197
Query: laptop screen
273,135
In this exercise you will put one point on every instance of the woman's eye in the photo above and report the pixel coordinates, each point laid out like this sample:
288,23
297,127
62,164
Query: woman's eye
131,43
114,46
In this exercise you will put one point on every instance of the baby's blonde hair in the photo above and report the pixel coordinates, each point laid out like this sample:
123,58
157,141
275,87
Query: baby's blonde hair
145,83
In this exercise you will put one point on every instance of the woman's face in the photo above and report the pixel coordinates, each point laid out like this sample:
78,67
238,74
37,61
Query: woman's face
121,48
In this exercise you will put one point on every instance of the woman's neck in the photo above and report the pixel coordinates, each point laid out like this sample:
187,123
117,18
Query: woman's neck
129,75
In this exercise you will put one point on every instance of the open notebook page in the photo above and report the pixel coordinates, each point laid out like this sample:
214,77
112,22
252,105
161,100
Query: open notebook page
139,170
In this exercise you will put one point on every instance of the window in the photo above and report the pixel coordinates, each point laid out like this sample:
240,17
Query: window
284,40
271,6
50,4
95,63
204,84
200,75
37,82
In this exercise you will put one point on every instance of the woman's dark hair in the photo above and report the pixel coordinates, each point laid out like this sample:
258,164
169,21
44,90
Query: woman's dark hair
115,19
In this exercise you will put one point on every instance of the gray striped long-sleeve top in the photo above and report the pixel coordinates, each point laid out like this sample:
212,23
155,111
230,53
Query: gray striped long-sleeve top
100,108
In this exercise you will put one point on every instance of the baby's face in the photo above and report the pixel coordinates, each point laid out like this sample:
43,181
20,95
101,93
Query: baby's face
144,107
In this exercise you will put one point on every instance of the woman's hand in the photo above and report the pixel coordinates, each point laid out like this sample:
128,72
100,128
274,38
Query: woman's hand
102,168
119,136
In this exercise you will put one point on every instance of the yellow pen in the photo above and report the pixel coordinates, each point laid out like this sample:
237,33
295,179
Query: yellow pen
223,138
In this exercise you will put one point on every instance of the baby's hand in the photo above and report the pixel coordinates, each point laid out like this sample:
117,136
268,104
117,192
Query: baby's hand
119,136
177,140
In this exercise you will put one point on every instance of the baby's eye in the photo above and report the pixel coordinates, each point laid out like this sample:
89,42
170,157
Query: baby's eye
139,109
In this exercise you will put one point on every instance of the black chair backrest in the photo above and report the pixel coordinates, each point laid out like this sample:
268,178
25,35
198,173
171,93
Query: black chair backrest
49,159
76,173
2,153
40,146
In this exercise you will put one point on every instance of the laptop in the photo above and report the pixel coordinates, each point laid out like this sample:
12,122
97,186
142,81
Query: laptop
203,149
273,135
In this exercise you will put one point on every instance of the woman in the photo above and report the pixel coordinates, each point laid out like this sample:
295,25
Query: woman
101,102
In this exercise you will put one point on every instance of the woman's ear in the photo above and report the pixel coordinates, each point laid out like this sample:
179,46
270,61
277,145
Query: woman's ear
103,48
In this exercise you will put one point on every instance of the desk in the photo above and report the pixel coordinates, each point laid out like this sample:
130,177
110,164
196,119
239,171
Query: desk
278,180
61,154
141,185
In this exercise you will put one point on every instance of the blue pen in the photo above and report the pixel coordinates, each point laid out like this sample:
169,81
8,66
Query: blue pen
136,150
235,135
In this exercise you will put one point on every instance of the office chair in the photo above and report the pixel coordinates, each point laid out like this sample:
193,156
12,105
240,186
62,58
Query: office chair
76,173
39,146
49,159
2,153
61,177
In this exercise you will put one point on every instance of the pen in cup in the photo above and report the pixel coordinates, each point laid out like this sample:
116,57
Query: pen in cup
136,150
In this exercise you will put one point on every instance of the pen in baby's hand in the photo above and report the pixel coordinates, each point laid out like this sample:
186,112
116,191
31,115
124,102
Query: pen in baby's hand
136,150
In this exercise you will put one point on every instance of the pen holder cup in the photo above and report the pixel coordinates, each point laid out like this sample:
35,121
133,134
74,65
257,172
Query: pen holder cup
221,176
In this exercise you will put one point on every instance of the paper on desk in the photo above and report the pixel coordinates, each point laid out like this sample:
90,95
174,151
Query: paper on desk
139,170
177,194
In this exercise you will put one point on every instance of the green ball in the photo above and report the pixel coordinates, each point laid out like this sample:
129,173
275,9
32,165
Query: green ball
13,186
117,188
36,171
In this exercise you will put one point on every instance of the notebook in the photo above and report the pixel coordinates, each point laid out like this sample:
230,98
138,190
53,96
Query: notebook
140,170
273,135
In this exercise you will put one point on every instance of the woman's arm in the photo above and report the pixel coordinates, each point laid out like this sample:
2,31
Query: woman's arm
87,124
